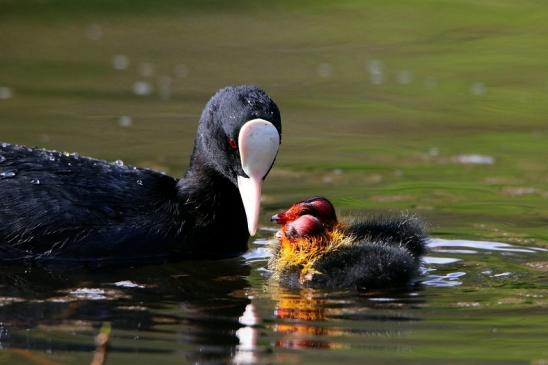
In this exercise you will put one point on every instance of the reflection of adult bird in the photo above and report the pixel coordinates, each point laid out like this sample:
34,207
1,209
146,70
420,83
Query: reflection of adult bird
61,311
60,206
317,251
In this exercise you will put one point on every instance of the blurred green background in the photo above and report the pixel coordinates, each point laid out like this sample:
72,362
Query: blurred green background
438,107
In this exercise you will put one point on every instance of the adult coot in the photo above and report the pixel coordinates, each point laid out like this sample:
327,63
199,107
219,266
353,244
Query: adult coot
59,206
315,250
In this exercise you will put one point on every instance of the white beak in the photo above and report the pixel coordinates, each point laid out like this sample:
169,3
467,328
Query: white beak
258,142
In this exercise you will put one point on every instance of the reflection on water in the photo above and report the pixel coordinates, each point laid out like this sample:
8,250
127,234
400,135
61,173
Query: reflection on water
381,321
227,311
210,312
247,336
150,309
450,279
463,247
313,319
299,317
436,244
442,114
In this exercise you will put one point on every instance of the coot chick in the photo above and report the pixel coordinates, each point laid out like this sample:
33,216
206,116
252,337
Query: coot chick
404,230
58,206
314,250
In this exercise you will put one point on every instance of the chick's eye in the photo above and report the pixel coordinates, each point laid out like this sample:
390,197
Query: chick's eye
305,210
232,143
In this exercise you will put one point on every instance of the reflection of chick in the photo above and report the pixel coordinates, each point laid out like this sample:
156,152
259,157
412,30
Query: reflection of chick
300,320
314,250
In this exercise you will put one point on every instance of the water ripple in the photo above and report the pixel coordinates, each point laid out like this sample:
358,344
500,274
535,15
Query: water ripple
482,245
447,280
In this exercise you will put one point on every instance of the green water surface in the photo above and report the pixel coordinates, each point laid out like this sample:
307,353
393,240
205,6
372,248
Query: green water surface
386,106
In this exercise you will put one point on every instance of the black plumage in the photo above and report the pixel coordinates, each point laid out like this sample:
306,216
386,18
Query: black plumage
362,265
405,231
58,206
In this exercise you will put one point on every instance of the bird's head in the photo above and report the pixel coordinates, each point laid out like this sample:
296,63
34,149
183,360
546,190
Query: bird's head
318,207
239,136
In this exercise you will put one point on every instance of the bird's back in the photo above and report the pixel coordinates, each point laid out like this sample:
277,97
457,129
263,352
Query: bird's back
58,204
404,230
366,265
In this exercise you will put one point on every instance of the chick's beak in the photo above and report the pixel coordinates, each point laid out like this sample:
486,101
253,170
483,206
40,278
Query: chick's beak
258,142
280,218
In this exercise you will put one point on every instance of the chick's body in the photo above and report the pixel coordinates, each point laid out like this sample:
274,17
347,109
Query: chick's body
379,253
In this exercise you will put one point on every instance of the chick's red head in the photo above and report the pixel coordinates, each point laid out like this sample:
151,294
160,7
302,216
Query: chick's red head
318,207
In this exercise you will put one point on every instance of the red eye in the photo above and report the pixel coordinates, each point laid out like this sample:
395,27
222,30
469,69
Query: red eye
232,144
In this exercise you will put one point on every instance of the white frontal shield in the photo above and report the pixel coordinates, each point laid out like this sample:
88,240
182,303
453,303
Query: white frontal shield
258,142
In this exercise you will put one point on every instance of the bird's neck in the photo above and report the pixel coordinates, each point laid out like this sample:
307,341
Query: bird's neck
209,194
203,184
215,222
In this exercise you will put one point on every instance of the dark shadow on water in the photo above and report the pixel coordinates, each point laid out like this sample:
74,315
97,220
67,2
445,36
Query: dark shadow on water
197,303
